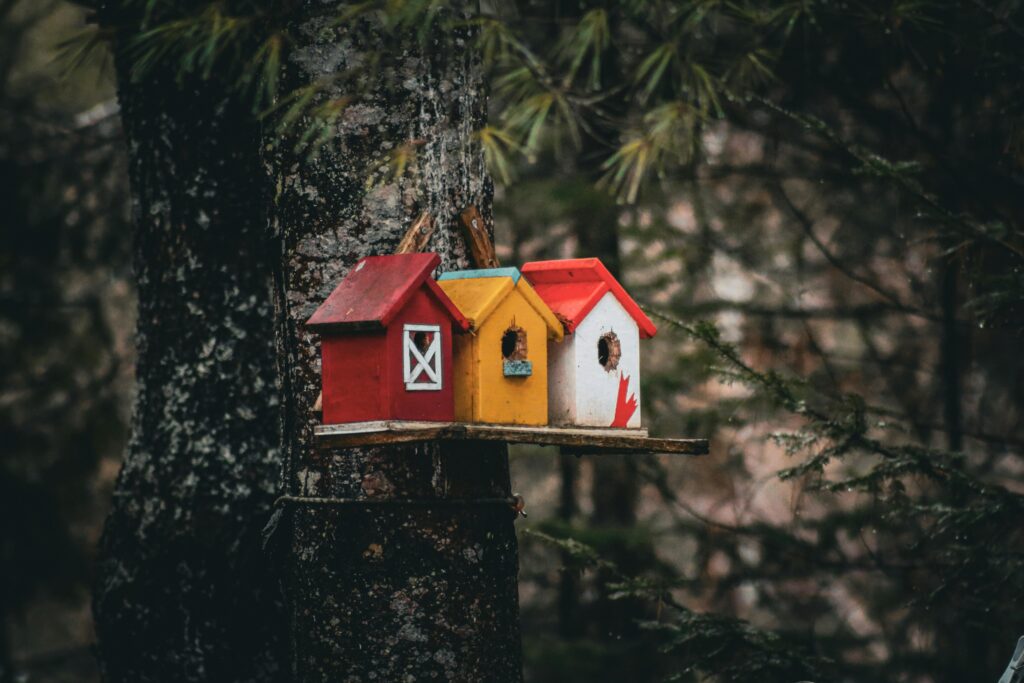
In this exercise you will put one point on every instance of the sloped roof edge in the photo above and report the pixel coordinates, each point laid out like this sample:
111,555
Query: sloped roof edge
505,280
555,330
476,298
482,272
563,271
374,291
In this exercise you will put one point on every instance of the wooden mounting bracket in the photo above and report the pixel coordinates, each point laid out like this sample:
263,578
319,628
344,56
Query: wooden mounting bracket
481,248
416,238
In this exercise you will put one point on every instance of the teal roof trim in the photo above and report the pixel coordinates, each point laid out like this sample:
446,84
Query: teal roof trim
483,272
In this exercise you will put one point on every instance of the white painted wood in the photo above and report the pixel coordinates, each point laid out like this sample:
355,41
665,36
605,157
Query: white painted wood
415,363
562,381
580,390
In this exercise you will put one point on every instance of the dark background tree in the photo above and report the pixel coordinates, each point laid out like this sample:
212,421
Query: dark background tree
183,590
834,187
65,352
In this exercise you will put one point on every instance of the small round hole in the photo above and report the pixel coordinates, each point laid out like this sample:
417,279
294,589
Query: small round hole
508,343
513,344
609,350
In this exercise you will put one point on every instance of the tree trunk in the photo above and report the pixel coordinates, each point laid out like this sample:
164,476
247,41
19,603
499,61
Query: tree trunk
952,390
568,582
615,488
183,592
6,659
388,592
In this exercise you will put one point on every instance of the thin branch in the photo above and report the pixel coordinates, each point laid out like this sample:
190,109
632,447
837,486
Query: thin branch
1004,21
854,312
808,227
872,160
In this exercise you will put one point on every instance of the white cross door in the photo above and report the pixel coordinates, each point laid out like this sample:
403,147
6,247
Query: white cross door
421,357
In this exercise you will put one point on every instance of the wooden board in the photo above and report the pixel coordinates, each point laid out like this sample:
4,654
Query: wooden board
573,439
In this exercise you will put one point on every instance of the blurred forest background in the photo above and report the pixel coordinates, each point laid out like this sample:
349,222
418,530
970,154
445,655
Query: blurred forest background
834,259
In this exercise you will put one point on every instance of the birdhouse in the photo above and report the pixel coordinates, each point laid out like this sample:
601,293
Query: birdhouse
594,375
501,367
386,342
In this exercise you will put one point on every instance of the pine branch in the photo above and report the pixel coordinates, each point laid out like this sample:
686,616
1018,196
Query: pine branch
808,228
894,171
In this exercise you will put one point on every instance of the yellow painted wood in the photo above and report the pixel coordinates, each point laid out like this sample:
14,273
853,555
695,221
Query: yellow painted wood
511,400
477,297
482,392
464,375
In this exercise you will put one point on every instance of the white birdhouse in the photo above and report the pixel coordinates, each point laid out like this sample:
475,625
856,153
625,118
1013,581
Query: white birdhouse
594,373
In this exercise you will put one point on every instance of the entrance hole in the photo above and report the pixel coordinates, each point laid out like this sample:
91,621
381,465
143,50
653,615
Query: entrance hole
609,350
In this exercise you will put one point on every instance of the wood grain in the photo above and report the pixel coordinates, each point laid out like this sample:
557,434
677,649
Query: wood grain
481,248
578,440
417,236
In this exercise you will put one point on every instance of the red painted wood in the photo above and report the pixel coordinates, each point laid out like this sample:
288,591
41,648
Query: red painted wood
355,377
624,407
361,327
571,301
373,291
422,309
566,282
362,375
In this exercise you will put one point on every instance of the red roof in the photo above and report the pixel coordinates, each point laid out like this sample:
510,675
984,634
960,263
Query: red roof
572,287
376,289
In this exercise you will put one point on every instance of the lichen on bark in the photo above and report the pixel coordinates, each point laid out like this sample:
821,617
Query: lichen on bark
386,593
238,238
183,592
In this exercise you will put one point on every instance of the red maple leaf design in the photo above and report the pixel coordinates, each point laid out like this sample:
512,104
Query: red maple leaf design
624,407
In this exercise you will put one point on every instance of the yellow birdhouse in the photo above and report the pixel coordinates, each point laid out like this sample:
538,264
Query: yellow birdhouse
501,367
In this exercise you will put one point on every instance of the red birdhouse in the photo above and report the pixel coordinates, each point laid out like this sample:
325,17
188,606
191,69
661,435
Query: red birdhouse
386,342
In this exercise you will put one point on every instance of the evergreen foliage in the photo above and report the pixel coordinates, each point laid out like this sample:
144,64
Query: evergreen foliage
907,116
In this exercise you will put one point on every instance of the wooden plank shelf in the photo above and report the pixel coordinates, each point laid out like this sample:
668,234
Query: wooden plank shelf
579,440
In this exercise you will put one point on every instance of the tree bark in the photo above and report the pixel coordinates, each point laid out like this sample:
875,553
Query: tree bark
389,592
568,583
183,592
